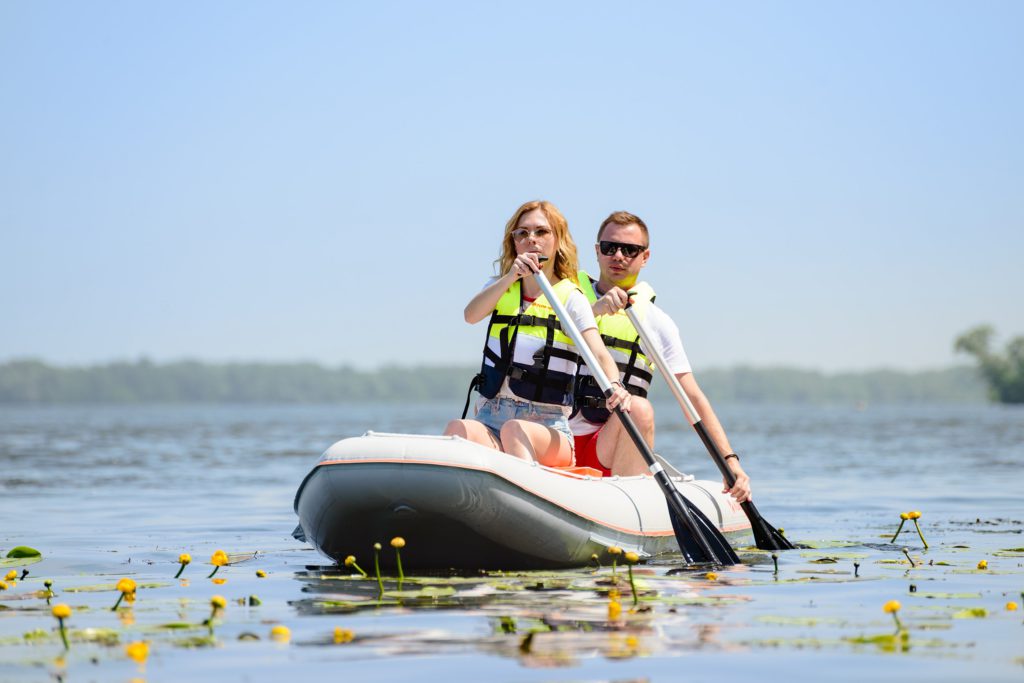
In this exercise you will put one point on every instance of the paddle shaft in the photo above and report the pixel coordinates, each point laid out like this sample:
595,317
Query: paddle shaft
667,487
692,416
766,536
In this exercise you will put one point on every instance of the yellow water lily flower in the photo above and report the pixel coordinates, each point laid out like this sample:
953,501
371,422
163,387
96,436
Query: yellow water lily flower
711,576
632,557
127,588
218,560
614,550
219,581
11,575
137,651
218,602
983,564
3,586
62,612
260,574
904,516
614,610
350,561
1011,606
397,542
891,606
281,633
183,559
343,635
914,514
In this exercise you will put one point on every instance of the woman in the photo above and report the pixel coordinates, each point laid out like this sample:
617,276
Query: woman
529,364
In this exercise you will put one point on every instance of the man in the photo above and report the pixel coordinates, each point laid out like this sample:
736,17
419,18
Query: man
623,249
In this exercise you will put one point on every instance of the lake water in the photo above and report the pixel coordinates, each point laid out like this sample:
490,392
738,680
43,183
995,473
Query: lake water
109,492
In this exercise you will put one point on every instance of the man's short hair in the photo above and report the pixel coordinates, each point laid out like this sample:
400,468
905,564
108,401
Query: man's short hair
625,218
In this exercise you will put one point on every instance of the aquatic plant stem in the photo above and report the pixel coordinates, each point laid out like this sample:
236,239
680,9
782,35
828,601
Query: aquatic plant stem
632,586
918,527
376,568
63,634
898,530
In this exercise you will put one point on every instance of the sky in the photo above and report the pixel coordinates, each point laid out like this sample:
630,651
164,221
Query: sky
831,186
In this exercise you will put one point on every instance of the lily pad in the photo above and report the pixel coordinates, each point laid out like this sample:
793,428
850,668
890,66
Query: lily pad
949,596
971,613
100,587
21,556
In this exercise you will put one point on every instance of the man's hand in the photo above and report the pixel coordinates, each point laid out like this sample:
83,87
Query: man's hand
613,301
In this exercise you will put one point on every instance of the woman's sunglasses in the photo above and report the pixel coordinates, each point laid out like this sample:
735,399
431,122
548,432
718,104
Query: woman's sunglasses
628,250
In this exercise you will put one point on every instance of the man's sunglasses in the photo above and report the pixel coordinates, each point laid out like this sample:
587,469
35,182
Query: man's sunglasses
628,250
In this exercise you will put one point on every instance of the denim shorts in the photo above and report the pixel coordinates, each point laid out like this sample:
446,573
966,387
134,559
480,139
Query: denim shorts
494,412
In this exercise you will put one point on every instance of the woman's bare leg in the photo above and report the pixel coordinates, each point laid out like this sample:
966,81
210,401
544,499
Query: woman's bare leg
531,441
472,430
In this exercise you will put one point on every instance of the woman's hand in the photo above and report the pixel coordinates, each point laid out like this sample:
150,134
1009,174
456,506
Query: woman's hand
525,264
613,301
620,398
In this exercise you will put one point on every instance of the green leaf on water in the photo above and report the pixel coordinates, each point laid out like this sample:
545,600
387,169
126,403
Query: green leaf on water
103,636
971,613
429,592
833,557
797,621
948,596
100,587
21,556
177,625
196,641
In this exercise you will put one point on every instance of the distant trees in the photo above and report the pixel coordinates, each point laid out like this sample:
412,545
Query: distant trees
34,382
1003,372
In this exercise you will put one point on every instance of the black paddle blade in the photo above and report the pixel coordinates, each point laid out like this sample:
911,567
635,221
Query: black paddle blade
766,537
702,541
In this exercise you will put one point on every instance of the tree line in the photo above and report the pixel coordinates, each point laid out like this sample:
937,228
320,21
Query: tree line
36,382
1003,372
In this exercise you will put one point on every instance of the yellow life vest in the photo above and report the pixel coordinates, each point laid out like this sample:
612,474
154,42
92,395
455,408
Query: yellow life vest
618,334
550,377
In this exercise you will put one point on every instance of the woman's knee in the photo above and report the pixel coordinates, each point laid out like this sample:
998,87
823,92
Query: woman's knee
512,431
457,428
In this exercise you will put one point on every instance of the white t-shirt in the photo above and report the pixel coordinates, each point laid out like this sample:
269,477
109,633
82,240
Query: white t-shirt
526,345
664,333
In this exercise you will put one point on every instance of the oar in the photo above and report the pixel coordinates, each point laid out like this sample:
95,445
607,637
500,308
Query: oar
699,539
766,536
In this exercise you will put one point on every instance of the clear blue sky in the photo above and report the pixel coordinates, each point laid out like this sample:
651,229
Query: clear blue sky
829,185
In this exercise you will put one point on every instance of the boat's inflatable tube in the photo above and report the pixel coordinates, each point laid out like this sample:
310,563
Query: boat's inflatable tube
461,505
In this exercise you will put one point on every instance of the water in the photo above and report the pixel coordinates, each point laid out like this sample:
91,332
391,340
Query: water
106,492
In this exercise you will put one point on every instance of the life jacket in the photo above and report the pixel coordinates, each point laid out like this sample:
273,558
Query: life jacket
618,334
549,374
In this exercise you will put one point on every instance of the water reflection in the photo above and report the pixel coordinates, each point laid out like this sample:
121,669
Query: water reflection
540,619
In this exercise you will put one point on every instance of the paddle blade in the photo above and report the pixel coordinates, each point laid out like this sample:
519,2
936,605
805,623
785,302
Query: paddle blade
699,539
766,537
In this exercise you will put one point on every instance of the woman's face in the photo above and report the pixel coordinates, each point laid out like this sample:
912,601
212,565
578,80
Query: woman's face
534,233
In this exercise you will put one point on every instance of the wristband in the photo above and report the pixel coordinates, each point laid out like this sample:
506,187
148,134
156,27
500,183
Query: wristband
732,455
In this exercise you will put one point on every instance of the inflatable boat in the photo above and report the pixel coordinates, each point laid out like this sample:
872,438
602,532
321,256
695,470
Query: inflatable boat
460,505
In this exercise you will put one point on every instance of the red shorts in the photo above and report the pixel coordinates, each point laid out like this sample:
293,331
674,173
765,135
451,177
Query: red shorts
586,453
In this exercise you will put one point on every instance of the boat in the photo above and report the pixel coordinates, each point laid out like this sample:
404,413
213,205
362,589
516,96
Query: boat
461,505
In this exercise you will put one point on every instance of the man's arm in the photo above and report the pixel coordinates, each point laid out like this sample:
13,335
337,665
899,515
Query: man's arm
741,490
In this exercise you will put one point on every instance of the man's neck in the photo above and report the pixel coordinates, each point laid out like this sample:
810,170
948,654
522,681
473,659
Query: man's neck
604,284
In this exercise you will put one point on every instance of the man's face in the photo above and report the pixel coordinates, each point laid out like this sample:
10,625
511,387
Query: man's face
617,268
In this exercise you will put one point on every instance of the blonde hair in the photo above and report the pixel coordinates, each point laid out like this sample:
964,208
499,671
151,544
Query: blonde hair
566,260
